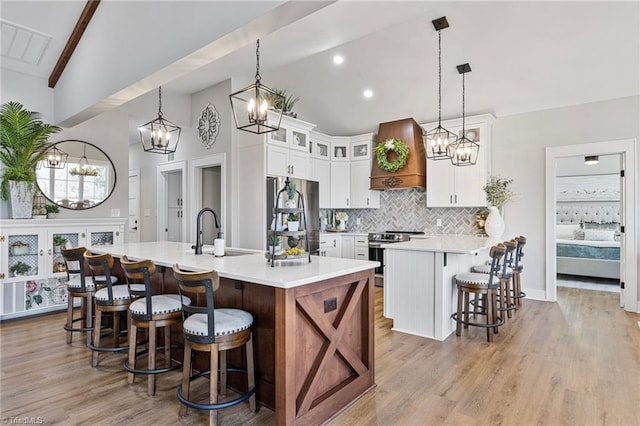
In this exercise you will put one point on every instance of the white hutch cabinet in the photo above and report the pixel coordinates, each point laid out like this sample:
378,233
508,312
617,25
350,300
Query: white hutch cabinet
32,270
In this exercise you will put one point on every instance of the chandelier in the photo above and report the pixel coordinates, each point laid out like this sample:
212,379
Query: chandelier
438,141
252,104
160,136
83,168
465,151
55,158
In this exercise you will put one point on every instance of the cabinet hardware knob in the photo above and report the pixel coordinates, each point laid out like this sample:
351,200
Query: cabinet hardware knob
83,235
41,252
2,275
49,251
456,198
450,199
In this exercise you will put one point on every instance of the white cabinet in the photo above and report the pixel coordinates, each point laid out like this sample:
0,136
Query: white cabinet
321,172
348,246
340,184
330,245
32,275
320,166
288,149
461,186
360,194
361,247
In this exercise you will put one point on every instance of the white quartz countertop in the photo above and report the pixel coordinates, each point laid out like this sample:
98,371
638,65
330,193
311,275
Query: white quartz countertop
251,267
462,244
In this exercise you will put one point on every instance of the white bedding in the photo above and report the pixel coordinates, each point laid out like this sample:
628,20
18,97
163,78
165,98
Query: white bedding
589,243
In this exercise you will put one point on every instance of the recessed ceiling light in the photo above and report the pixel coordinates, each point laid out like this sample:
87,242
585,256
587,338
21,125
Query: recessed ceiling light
368,93
337,59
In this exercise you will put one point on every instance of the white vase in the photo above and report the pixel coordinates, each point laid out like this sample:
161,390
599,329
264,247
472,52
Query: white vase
21,198
290,204
293,226
494,224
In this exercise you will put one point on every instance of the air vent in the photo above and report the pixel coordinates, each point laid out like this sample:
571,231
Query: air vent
21,43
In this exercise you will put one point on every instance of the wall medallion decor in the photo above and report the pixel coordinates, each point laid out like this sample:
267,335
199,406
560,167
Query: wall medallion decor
208,126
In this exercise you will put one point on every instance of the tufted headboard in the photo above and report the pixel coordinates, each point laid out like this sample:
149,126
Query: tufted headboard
594,213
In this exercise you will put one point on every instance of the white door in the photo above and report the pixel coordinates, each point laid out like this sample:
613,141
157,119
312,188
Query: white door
299,162
360,171
174,206
321,172
134,206
278,161
623,238
439,183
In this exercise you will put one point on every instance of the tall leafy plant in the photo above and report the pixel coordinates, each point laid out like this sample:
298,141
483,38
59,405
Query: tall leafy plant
23,142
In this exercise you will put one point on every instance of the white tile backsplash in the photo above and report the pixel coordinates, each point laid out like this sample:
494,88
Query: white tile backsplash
405,210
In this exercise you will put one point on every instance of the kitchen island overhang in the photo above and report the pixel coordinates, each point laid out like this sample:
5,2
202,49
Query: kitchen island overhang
419,292
313,323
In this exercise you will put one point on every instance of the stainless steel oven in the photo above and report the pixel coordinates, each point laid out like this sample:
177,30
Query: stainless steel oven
376,252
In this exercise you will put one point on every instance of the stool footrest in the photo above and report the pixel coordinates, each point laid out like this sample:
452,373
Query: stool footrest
130,369
499,320
219,405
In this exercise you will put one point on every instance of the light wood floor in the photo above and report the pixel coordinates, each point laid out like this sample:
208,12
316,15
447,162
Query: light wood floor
575,362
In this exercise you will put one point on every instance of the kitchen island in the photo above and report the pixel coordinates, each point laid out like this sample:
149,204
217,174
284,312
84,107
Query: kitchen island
419,290
313,323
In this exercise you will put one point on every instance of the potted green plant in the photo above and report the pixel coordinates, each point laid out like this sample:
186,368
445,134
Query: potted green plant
58,242
52,210
23,143
291,196
286,103
20,268
274,242
293,222
39,212
498,192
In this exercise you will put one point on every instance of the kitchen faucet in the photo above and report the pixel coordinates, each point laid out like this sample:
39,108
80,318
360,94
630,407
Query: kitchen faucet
199,227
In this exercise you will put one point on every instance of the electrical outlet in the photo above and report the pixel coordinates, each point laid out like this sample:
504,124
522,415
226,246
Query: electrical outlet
330,304
438,222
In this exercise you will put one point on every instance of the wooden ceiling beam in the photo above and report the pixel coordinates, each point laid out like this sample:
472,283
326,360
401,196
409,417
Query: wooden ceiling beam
74,39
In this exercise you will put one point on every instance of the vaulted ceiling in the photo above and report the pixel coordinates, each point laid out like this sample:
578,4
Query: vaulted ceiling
525,56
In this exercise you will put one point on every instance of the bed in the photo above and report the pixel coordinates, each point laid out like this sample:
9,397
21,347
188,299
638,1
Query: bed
587,240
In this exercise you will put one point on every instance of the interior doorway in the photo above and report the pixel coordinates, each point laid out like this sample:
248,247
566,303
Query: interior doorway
134,225
208,184
628,238
171,225
588,221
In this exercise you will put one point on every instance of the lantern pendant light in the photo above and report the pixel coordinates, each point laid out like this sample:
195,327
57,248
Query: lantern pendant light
438,141
55,158
160,136
465,151
251,105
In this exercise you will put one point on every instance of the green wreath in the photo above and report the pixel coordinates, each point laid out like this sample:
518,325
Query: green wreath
397,146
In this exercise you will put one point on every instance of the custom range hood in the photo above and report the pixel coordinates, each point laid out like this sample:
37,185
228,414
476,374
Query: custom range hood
413,173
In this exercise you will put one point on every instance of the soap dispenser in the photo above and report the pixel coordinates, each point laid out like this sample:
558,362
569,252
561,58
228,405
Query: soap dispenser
218,246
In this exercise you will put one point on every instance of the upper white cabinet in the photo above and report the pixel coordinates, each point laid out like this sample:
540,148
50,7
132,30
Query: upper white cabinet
288,149
461,186
320,166
360,194
350,172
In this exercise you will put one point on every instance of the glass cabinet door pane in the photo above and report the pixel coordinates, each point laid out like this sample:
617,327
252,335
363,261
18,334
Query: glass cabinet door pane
24,250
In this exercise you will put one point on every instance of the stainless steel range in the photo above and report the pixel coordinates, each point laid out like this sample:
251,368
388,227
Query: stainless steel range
376,239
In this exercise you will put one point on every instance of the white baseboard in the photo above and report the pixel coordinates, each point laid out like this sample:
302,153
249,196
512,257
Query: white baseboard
536,294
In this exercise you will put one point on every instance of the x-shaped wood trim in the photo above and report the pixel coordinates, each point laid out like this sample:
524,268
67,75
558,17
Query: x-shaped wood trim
334,343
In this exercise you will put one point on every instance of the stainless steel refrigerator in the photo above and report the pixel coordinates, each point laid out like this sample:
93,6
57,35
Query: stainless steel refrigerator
310,192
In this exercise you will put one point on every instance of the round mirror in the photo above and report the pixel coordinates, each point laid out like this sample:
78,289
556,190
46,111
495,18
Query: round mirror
77,175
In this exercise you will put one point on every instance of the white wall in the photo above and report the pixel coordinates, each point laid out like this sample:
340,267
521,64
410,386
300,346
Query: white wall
574,166
30,91
518,152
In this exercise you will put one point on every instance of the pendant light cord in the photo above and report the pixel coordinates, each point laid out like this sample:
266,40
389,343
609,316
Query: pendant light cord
463,91
439,79
159,101
258,61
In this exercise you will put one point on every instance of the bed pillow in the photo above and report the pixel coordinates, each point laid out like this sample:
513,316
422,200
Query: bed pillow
565,231
578,234
608,226
598,235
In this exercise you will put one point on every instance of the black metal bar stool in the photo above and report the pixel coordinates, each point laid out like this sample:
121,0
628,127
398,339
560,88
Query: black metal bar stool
517,267
484,285
111,298
78,286
506,301
150,312
215,331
